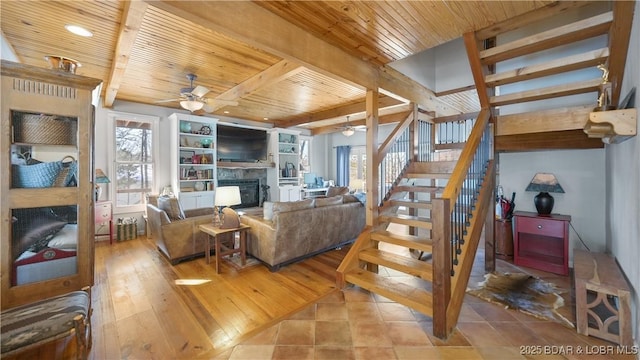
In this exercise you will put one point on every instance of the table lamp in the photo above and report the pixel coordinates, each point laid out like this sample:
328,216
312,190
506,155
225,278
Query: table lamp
228,196
544,183
101,178
357,185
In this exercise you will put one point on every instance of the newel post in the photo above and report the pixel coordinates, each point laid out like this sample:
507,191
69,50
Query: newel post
441,236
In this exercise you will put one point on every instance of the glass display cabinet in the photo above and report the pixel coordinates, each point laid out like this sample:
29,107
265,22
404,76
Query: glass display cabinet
47,183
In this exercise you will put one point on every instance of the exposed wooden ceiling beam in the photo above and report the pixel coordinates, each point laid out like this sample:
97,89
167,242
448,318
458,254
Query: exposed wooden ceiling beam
274,74
459,117
619,35
132,17
258,27
385,119
579,30
383,102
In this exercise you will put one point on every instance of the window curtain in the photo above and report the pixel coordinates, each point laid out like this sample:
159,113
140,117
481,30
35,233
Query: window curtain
342,171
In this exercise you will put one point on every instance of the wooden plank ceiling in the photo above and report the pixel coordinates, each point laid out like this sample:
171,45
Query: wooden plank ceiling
304,63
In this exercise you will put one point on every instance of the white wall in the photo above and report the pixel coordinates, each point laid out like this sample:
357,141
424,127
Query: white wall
359,139
580,172
623,185
419,67
450,60
582,176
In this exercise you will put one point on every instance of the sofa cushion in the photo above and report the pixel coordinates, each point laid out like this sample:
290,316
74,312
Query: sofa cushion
337,190
334,200
172,207
292,205
267,210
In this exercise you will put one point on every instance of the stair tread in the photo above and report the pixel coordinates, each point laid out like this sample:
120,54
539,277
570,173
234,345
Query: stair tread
419,188
416,221
409,241
407,265
430,175
416,204
415,298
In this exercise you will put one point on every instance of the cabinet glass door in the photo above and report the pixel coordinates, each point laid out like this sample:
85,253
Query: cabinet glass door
43,197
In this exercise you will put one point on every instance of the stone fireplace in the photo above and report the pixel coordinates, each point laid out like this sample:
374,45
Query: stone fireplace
248,180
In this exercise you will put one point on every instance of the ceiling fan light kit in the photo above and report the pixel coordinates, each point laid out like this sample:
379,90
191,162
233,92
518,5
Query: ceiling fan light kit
348,132
192,105
192,98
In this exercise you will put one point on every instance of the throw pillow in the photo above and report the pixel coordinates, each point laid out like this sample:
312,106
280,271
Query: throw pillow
267,210
334,200
292,206
40,175
66,238
172,207
33,229
337,190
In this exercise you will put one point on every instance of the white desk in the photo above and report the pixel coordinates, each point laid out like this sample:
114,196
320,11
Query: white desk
314,192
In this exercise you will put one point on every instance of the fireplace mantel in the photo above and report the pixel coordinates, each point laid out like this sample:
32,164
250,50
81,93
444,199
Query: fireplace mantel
244,165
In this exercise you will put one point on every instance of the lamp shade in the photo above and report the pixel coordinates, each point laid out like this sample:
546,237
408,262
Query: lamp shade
544,183
191,105
101,178
228,196
357,185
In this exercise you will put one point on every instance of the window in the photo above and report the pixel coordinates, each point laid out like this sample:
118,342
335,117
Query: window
134,159
305,159
357,164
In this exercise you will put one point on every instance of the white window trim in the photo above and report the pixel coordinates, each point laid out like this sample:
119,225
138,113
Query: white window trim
155,121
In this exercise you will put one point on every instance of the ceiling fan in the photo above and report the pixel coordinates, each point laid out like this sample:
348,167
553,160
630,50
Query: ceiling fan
192,98
348,129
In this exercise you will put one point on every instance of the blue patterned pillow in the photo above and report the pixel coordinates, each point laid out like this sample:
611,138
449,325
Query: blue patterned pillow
35,176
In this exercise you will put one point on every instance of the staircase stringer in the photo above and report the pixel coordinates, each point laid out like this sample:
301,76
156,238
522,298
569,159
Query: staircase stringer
460,280
351,260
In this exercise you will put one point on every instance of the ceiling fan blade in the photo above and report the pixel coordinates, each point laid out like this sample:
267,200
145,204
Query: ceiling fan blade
207,107
168,100
213,102
199,91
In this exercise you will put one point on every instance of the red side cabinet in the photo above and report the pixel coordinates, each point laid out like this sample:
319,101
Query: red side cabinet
541,242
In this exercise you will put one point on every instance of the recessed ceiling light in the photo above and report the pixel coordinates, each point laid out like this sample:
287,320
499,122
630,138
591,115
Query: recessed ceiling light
78,30
265,118
226,111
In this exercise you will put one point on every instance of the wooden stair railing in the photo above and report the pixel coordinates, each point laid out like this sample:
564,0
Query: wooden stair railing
409,191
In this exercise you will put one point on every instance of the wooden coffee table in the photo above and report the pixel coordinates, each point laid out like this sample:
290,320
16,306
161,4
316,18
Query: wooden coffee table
222,250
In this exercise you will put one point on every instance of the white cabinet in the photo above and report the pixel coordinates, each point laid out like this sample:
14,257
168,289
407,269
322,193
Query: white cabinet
195,200
285,144
290,192
193,159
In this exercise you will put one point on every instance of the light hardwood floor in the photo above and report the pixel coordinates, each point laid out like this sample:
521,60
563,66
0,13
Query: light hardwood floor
141,312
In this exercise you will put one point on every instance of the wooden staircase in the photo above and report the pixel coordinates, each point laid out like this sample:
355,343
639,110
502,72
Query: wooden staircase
425,225
403,238
441,208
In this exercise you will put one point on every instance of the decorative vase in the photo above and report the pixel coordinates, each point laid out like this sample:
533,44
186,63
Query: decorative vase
206,143
185,127
544,203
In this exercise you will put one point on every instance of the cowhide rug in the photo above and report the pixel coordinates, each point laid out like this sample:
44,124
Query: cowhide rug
524,293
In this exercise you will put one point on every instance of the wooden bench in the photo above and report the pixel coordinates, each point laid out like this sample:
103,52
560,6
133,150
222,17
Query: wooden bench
29,326
602,298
